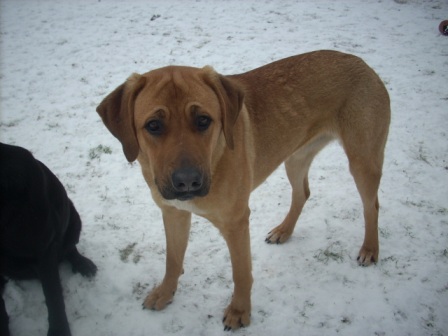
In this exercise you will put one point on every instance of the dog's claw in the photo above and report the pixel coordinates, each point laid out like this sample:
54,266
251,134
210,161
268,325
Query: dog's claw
269,241
364,263
229,328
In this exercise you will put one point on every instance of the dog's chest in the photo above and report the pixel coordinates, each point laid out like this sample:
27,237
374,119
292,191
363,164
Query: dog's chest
186,206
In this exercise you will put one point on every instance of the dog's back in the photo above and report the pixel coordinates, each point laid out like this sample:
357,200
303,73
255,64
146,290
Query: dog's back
15,167
32,200
309,96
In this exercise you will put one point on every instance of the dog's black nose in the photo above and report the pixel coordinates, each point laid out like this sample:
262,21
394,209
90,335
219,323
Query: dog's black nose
187,180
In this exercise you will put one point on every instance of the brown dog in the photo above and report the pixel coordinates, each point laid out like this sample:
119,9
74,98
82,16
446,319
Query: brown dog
205,141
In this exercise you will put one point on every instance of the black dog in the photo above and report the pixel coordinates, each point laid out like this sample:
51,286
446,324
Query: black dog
39,228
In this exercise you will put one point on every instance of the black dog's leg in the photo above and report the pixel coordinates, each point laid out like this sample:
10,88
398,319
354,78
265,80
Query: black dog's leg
51,284
4,320
81,264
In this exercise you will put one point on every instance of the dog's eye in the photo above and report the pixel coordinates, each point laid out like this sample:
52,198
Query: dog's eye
203,122
154,127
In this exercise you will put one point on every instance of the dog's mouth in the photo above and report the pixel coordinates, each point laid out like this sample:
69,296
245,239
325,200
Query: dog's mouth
170,194
186,196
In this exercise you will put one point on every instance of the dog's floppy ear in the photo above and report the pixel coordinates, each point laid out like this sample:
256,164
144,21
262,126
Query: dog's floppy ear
117,112
230,97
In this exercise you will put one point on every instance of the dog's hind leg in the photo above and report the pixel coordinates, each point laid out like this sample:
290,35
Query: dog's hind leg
297,167
364,147
363,126
81,264
366,172
297,172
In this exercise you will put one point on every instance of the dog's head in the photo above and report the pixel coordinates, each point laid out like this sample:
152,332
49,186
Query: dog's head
172,119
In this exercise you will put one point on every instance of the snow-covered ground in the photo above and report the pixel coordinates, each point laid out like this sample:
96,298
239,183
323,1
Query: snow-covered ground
59,58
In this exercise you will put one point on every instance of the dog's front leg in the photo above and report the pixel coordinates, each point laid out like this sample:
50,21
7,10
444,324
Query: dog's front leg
48,272
177,229
237,237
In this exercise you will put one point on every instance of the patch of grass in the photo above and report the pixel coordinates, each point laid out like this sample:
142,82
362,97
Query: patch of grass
95,153
10,124
445,253
136,258
430,321
427,206
140,289
333,252
385,233
442,290
52,125
127,251
307,305
422,154
400,315
103,196
409,231
71,188
346,320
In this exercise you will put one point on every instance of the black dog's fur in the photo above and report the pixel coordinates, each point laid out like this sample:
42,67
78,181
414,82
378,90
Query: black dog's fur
39,228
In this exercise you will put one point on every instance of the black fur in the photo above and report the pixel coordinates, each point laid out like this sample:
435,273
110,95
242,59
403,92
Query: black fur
40,227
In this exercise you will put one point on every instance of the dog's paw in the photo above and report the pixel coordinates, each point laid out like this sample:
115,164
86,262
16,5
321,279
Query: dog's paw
64,331
84,266
278,235
367,256
159,298
235,318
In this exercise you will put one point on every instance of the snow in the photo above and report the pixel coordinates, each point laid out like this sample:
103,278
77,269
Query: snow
59,58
